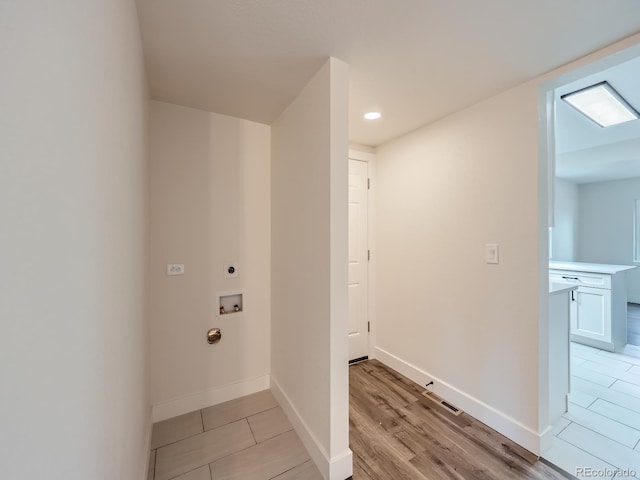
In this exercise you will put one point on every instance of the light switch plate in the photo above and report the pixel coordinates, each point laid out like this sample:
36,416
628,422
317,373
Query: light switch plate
175,268
491,253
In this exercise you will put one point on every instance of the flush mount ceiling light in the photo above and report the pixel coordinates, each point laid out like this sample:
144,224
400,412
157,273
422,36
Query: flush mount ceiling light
602,104
372,115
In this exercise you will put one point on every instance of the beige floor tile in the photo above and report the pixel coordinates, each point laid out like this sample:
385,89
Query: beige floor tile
152,465
176,428
236,409
207,447
202,473
262,461
306,471
268,424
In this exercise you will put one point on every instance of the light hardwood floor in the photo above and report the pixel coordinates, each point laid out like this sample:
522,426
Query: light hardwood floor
249,438
397,434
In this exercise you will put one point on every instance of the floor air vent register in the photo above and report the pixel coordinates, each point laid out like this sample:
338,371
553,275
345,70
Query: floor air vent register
441,402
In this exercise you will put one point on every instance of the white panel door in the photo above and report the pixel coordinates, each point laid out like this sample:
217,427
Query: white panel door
358,260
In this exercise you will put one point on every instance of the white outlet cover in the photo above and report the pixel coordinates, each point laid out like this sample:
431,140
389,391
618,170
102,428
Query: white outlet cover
175,268
491,253
231,270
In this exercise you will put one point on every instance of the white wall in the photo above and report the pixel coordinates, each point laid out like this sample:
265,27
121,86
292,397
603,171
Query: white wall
210,204
309,267
73,358
606,226
565,231
443,192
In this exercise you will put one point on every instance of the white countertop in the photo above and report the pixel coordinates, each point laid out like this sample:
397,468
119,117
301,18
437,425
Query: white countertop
590,267
556,288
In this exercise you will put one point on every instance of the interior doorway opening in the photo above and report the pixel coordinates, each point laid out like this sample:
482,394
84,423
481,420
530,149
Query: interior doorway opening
601,426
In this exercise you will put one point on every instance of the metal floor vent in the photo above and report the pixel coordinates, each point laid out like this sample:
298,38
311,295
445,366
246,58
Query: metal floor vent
441,402
358,360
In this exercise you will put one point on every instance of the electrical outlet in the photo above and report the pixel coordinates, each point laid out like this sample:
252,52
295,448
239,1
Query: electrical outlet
175,268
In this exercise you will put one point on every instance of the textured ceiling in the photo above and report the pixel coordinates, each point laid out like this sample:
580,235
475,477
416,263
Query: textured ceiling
414,60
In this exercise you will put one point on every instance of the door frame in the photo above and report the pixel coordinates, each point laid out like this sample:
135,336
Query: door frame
370,159
607,58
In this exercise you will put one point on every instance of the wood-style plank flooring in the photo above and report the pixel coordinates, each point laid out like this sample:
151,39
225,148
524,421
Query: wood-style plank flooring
633,324
397,434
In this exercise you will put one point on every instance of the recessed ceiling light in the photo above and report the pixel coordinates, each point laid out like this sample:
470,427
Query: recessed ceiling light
602,104
372,115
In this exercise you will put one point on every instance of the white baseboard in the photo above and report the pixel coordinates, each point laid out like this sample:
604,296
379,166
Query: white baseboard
495,419
339,467
206,398
546,440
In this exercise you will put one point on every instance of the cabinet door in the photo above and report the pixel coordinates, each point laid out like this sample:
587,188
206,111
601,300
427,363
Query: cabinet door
591,313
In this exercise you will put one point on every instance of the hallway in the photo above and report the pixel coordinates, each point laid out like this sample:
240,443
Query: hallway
397,434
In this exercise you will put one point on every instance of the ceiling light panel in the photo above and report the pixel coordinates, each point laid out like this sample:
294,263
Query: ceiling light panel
602,104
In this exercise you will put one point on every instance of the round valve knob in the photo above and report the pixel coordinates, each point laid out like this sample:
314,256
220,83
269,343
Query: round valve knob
214,335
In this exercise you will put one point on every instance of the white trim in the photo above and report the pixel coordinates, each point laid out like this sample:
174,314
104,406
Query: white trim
339,467
362,156
546,440
206,398
546,219
370,158
494,418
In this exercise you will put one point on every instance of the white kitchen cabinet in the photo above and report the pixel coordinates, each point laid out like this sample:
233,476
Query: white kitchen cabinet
598,311
591,313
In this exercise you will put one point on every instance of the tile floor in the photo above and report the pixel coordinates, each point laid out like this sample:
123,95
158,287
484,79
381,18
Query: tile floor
601,430
249,438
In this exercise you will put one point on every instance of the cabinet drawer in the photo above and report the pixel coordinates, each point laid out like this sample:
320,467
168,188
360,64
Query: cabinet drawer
597,280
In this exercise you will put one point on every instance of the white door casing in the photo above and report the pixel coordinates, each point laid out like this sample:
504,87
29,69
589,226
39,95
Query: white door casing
358,260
